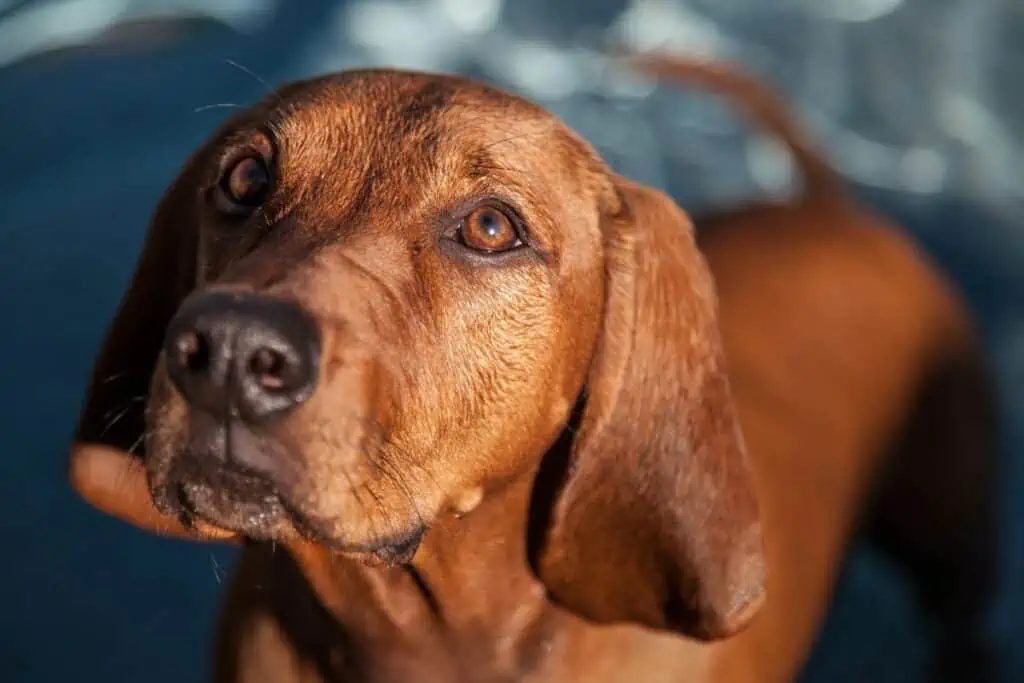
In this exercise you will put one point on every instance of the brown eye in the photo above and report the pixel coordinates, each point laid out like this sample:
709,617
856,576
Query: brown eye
489,230
247,183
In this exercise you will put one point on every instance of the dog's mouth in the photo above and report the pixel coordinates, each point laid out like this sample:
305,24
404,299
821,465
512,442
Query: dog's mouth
241,502
219,477
231,500
227,477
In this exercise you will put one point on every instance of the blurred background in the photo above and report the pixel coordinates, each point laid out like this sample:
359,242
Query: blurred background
919,103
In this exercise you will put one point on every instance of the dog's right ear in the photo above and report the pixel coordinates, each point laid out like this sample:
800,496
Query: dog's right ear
104,462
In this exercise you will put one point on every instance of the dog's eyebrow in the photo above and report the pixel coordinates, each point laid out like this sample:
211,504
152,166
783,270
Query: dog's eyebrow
425,105
361,203
481,163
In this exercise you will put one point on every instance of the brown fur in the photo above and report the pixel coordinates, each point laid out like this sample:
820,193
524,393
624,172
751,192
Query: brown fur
531,467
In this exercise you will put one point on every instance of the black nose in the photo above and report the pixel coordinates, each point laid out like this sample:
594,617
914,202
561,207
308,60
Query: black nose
243,355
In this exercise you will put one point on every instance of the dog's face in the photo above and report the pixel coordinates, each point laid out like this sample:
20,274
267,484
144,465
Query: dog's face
397,295
376,297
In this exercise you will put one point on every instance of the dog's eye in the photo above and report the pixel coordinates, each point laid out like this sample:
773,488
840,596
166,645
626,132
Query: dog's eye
247,183
488,230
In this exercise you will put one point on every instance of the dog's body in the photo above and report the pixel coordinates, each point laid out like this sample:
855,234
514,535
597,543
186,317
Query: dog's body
838,335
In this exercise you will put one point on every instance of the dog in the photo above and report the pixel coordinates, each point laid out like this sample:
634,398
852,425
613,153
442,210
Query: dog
512,418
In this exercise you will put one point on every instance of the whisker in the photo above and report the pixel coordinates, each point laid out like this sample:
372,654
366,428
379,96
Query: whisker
138,442
379,513
354,490
411,460
387,469
252,73
334,442
133,399
405,474
124,411
383,469
398,478
508,139
218,573
122,479
219,105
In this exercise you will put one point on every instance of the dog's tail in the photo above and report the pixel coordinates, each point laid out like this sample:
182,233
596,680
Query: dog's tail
755,99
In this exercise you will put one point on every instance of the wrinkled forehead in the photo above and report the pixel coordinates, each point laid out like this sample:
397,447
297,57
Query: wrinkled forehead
388,115
417,139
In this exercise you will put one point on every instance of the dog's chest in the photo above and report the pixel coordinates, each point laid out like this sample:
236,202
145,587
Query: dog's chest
553,653
284,621
274,622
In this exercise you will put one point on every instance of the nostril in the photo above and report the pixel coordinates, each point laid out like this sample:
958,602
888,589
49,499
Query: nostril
268,367
193,352
242,356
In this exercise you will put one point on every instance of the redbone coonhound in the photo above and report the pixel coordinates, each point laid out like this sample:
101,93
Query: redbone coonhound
510,420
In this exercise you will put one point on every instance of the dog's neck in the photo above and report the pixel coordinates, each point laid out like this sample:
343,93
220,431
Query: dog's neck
466,608
477,569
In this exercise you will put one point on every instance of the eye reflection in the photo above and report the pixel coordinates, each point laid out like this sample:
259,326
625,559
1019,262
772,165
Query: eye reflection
489,230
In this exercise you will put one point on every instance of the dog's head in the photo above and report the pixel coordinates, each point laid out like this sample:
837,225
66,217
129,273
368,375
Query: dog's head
376,298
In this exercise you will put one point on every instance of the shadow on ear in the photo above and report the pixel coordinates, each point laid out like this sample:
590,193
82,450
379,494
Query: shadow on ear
112,421
655,521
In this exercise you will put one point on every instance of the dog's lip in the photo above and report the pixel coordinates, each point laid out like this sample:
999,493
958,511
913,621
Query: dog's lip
209,498
275,518
224,452
211,485
231,501
207,485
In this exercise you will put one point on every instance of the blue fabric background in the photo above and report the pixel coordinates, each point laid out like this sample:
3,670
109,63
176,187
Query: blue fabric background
101,101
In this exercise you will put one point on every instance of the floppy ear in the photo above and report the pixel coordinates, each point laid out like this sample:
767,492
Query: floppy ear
113,413
656,522
112,421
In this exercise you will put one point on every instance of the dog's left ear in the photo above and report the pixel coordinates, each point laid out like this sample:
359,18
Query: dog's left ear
656,522
113,411
104,465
